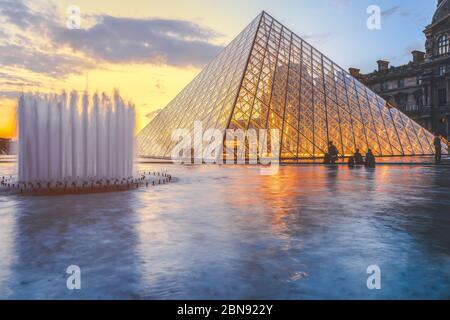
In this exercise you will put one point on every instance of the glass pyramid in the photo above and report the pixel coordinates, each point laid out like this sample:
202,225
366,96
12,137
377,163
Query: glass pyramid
270,78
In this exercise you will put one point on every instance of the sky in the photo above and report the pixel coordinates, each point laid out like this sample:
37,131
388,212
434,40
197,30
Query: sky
151,49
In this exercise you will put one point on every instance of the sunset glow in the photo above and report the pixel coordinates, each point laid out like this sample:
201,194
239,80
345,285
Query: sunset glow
150,50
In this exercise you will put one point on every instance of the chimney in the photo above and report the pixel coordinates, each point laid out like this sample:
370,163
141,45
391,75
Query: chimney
383,65
418,56
354,72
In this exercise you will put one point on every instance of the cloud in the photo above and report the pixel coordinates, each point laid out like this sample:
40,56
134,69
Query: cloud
110,39
317,37
130,40
395,10
405,55
46,63
25,42
18,13
6,77
10,94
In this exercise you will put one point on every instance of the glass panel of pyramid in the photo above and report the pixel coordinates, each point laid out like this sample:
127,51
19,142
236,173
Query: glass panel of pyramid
270,78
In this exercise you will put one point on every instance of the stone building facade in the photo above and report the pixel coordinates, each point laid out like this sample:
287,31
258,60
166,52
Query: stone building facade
420,88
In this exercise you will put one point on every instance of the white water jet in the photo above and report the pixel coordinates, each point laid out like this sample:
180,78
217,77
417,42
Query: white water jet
68,138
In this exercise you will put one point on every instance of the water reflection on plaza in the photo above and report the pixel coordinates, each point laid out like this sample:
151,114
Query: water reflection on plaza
229,232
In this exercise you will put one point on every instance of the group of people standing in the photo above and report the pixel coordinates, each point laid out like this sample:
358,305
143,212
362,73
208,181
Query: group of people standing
357,159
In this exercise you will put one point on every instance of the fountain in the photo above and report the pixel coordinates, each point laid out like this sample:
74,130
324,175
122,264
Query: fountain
73,144
57,142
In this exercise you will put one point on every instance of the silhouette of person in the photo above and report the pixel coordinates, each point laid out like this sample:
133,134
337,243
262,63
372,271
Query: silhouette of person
333,152
437,148
351,161
442,129
358,157
370,159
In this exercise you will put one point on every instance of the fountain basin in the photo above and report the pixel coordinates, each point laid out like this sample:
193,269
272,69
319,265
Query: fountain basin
84,186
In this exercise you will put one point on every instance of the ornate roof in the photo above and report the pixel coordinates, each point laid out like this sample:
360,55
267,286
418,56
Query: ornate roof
442,10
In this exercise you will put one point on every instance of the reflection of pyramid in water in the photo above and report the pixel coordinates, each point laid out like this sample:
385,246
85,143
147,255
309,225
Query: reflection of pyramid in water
268,77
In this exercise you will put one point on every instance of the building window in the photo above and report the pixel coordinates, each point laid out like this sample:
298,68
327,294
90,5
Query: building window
401,83
442,96
442,70
418,97
412,107
443,44
418,80
401,100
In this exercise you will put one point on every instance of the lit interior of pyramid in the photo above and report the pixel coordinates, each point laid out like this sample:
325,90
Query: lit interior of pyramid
270,78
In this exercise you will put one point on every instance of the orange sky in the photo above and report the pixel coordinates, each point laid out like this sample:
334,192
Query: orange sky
150,85
7,118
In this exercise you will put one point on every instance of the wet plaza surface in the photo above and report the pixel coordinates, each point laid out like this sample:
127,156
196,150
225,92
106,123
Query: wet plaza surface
228,232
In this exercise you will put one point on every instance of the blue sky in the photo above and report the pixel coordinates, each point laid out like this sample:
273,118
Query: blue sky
338,28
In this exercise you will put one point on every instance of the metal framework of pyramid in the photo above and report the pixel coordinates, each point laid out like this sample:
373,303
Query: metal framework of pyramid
270,78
